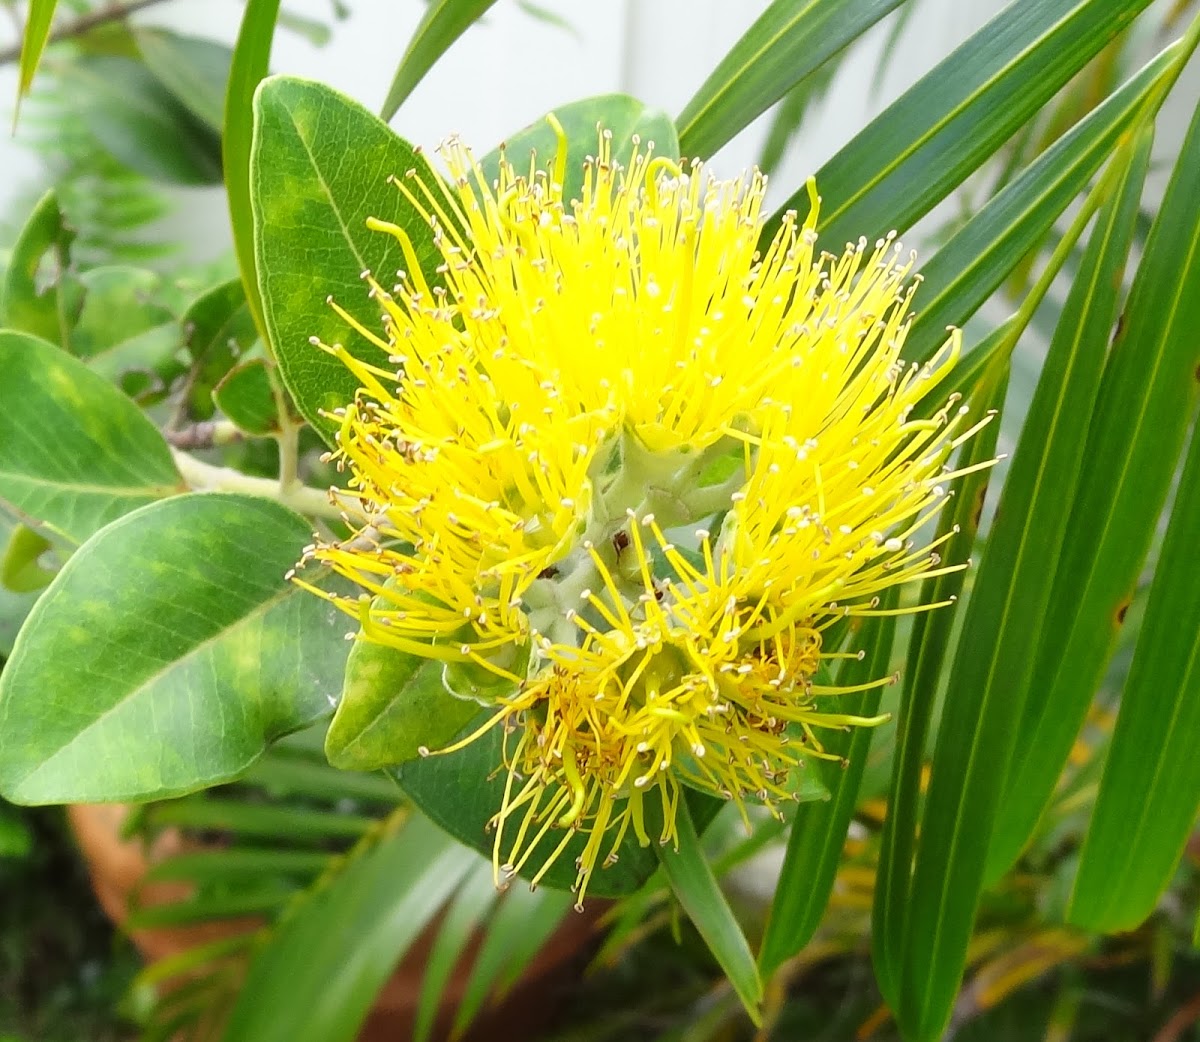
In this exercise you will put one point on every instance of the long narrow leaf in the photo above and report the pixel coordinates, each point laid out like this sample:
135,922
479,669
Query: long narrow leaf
819,828
444,22
696,889
790,41
1046,472
37,33
251,57
928,646
464,916
269,821
316,980
522,923
932,138
982,254
1150,789
988,681
1146,401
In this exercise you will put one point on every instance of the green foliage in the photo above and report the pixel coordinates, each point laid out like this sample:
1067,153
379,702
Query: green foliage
175,622
819,827
74,453
925,144
392,706
790,42
444,22
319,169
161,474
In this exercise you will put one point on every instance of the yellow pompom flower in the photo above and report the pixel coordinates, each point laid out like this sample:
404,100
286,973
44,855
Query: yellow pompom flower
634,469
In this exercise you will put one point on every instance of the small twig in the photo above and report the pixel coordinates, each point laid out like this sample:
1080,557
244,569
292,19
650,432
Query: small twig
83,24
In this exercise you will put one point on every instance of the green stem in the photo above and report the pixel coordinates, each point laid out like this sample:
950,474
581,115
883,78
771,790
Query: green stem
205,477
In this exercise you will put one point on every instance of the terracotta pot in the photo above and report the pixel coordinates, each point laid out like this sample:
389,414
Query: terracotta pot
117,867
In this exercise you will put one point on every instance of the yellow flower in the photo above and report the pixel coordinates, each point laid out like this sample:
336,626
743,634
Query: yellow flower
633,470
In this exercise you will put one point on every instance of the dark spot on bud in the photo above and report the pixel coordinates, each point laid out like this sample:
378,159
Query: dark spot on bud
1122,611
549,572
620,540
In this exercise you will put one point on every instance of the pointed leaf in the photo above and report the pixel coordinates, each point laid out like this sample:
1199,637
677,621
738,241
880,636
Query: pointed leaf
319,169
248,67
444,22
1147,398
41,294
622,116
298,826
522,923
75,453
992,671
467,912
1150,789
983,253
340,945
788,42
697,891
819,828
392,705
940,131
167,653
928,647
37,32
1044,477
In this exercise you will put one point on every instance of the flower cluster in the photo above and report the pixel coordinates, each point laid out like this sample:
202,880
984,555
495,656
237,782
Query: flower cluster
633,464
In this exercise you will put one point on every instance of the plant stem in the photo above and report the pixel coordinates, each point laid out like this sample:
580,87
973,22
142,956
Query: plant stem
205,477
83,24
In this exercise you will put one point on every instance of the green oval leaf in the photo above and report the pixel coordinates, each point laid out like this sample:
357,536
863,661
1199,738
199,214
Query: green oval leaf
166,655
41,294
247,399
193,69
319,168
141,123
788,42
218,328
392,704
75,453
624,117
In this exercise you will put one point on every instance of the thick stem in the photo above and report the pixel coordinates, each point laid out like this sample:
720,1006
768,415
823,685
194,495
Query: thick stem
205,477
